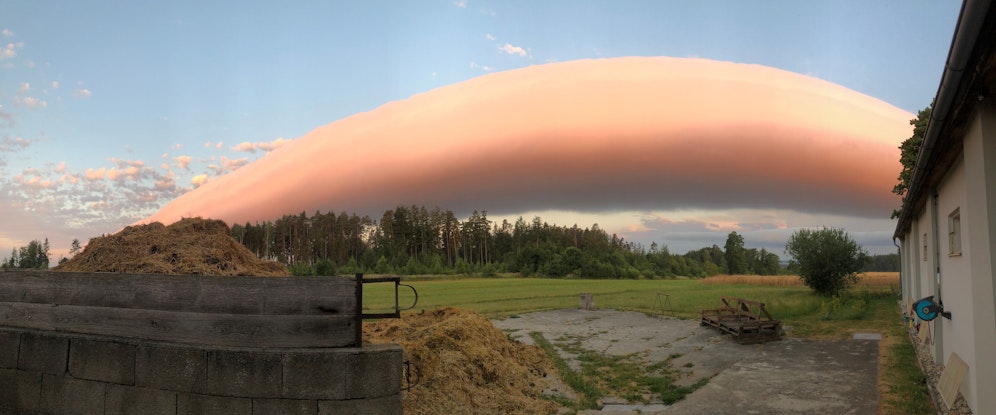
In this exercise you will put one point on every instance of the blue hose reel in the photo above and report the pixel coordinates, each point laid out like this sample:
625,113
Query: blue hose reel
927,309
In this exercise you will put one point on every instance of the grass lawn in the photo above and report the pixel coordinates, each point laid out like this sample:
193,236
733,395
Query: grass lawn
871,307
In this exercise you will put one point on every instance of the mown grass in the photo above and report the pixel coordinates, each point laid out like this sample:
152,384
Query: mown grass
870,307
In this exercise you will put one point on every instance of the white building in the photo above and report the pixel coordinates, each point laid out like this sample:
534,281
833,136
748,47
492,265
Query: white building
947,228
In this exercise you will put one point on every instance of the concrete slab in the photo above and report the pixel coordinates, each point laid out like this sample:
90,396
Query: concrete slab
790,376
867,336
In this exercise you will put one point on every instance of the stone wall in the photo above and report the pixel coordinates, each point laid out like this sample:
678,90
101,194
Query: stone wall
48,372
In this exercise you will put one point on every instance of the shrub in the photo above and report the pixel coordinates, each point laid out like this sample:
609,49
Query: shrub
827,259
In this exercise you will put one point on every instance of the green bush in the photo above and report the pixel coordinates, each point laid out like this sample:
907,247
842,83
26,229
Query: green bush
827,259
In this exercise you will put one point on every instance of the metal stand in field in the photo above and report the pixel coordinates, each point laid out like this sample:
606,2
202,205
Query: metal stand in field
663,302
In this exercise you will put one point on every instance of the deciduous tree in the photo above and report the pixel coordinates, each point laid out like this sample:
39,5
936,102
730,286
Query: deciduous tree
827,259
736,259
910,150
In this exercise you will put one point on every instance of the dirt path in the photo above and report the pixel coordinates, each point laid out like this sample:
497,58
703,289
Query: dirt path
790,376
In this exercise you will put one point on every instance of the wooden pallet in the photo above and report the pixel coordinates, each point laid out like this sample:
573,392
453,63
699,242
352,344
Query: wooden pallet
748,321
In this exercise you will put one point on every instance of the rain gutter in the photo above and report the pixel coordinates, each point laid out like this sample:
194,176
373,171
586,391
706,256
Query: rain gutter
970,21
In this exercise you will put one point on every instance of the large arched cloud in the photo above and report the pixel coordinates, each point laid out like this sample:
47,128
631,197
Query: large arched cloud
591,135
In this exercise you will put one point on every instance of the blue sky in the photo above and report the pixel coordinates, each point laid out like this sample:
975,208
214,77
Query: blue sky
110,109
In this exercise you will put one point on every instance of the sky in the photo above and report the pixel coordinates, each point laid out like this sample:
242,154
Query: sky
111,110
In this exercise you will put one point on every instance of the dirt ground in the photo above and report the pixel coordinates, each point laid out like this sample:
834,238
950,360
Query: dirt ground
790,376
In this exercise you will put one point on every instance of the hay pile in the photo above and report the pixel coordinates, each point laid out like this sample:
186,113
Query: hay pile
191,246
467,365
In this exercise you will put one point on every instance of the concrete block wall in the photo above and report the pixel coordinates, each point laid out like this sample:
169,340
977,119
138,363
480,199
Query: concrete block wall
44,372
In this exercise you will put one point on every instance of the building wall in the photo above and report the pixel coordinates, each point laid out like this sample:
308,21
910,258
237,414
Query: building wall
977,330
963,281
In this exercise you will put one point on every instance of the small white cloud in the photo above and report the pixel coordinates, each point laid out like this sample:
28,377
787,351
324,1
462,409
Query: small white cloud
218,145
261,146
512,50
177,146
460,3
55,84
30,102
61,168
9,51
207,144
7,33
93,175
23,88
183,162
489,36
488,12
228,165
82,93
165,183
474,65
14,144
199,180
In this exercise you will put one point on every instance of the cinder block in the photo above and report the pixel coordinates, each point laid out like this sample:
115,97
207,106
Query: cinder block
243,373
43,353
127,400
386,405
67,396
374,371
9,343
193,404
175,368
102,360
284,407
319,374
19,389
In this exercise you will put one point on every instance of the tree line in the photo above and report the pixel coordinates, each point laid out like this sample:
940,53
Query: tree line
412,240
417,240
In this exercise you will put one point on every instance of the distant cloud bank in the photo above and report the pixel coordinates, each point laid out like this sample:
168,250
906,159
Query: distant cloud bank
589,136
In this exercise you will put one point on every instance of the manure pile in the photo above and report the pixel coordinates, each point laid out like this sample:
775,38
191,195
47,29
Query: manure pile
191,246
466,364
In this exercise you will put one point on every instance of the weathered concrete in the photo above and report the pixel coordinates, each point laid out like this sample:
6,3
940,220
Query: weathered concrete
9,343
161,366
790,376
46,354
110,362
68,373
793,377
125,400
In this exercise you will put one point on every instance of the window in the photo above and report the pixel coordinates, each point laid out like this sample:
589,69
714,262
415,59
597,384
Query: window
954,233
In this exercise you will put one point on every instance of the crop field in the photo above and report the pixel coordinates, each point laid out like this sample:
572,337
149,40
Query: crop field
869,307
867,279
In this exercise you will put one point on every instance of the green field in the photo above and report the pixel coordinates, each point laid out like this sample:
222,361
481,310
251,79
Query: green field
801,312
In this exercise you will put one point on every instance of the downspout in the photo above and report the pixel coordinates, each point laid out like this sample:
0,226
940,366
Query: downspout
935,229
899,250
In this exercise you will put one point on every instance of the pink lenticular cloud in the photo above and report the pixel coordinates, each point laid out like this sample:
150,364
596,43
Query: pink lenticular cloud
592,135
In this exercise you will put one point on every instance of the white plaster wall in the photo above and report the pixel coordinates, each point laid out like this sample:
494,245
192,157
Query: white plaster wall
979,253
957,334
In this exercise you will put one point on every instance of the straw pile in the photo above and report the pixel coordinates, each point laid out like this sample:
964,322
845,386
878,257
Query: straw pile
191,246
466,364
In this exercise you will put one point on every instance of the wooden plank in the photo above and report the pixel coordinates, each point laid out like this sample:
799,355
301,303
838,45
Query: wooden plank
192,293
184,327
951,377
